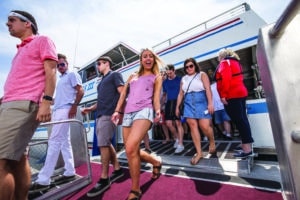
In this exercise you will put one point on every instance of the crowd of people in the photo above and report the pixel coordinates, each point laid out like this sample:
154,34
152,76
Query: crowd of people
151,97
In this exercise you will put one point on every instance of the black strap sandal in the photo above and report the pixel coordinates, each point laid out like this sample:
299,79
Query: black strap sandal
137,194
156,175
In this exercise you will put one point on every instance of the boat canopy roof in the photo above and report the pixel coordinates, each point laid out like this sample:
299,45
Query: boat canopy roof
121,55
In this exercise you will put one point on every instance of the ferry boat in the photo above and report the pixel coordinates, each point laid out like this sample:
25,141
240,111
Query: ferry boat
272,170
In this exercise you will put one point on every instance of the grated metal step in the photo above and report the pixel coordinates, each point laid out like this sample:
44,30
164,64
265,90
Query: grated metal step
222,162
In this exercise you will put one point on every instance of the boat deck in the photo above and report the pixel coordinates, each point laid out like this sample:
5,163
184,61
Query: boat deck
260,170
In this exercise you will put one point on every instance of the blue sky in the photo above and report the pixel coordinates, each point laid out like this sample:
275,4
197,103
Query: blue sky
83,29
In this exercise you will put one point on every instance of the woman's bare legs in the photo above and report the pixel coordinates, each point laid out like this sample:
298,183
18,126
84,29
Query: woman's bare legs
132,138
206,126
196,139
147,142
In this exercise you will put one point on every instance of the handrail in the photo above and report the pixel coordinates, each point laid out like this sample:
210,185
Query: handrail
88,122
286,17
61,121
66,189
207,24
68,121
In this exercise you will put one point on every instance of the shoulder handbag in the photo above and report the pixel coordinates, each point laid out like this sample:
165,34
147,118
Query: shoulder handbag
181,107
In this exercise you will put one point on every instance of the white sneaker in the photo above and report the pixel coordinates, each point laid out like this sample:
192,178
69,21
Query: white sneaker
179,149
176,144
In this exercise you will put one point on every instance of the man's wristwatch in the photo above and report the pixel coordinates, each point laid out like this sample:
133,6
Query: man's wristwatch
48,98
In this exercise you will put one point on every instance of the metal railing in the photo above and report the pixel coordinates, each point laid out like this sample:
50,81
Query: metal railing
203,26
286,17
38,149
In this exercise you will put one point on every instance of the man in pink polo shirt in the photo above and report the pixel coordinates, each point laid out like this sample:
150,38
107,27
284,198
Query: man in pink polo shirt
26,102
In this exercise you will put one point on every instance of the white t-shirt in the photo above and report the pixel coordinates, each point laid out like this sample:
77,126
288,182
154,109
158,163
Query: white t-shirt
218,105
196,84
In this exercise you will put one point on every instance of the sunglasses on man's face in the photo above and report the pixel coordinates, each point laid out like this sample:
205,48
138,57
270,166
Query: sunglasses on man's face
189,66
61,65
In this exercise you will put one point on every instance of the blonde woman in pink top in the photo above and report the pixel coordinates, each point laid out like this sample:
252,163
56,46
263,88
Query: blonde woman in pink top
141,110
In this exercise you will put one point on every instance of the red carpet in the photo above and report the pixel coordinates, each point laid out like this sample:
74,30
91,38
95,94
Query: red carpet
172,187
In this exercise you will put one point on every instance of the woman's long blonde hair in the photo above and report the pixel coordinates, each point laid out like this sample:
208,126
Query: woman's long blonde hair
158,63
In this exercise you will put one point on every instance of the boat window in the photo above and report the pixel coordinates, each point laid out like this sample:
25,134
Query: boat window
91,73
80,74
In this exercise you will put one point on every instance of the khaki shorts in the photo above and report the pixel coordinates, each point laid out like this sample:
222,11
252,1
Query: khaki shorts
17,126
105,129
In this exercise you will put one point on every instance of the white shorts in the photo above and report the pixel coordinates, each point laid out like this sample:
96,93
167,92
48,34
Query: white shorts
145,113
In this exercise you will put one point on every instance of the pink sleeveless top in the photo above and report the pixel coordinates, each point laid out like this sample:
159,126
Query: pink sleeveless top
140,93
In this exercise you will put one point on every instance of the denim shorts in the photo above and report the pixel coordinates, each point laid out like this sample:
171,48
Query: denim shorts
221,116
195,106
145,113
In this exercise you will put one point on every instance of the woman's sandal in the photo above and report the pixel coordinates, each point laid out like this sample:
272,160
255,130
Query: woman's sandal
137,195
166,141
212,151
194,160
156,172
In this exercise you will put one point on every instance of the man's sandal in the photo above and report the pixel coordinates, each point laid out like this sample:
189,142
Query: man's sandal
156,172
137,195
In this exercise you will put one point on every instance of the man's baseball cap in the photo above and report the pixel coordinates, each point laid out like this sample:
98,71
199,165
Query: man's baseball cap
106,58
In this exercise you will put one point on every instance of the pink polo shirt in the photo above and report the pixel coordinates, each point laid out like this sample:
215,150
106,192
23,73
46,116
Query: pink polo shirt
26,79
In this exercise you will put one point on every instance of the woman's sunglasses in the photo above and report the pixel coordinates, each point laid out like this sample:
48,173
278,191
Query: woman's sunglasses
189,66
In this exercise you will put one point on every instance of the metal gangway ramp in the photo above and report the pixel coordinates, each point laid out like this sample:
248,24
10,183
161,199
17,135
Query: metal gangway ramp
278,58
37,154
